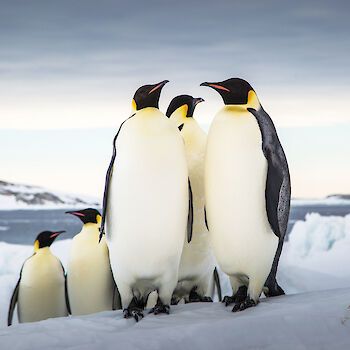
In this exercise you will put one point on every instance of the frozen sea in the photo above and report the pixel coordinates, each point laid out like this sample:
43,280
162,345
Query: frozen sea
22,226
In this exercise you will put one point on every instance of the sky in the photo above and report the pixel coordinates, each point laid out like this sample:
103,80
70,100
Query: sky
69,69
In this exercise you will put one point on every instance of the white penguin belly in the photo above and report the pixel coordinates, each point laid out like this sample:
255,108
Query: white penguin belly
41,293
148,201
89,277
236,171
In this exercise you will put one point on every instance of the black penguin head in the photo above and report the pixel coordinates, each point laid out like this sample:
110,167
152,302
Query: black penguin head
88,215
148,96
188,103
45,239
235,91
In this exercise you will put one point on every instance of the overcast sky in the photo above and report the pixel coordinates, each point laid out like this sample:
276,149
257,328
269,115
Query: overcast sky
66,66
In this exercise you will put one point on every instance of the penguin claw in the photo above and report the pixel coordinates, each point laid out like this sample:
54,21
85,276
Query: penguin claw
194,297
160,309
136,313
247,303
238,297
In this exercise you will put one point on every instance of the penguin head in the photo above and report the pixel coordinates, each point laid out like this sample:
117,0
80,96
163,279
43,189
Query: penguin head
236,91
148,96
45,239
87,216
182,107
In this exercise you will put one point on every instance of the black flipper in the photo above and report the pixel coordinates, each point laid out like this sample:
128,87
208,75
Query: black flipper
116,298
190,213
66,290
108,177
13,301
205,218
278,189
217,283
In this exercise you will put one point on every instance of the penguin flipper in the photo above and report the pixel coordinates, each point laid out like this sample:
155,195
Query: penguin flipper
217,283
108,177
190,213
66,290
278,190
205,218
13,301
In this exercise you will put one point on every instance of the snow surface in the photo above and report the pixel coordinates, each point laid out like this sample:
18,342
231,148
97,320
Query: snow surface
18,197
315,264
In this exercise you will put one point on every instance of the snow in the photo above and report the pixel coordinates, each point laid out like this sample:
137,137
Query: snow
314,265
19,197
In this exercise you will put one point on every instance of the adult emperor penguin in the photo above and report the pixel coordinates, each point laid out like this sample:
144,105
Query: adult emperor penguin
40,292
90,284
147,205
197,261
247,188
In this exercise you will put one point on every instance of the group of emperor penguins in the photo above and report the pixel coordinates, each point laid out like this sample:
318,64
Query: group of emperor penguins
176,203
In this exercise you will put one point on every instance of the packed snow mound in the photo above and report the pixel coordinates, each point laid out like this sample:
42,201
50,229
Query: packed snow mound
15,196
318,320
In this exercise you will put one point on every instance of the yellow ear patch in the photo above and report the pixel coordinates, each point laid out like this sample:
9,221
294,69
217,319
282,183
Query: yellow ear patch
98,219
253,101
134,106
36,246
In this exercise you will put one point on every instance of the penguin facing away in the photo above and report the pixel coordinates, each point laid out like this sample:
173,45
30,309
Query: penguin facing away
197,261
147,205
40,292
90,284
247,186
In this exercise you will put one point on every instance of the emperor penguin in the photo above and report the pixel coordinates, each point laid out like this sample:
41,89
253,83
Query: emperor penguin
147,205
247,187
41,291
197,261
90,284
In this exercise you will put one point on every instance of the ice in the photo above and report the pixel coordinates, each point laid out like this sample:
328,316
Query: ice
315,264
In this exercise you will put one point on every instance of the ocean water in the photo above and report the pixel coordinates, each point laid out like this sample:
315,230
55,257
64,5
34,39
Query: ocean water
22,226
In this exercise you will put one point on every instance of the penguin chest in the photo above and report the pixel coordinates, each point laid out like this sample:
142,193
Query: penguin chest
236,171
148,197
42,289
89,277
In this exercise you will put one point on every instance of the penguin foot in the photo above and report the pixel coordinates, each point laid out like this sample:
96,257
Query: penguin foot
239,297
174,301
194,297
273,290
134,312
160,308
240,306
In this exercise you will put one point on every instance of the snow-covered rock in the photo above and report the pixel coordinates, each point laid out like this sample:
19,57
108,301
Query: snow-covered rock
15,196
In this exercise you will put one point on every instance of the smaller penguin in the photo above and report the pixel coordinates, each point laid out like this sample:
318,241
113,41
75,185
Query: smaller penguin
90,284
197,260
41,291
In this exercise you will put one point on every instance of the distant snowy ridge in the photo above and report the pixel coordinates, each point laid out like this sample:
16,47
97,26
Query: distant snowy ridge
16,196
336,199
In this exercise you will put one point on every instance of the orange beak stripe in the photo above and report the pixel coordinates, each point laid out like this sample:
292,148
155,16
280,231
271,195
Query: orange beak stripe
155,88
219,87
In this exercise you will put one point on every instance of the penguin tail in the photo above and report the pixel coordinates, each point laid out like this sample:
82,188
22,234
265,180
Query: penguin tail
217,283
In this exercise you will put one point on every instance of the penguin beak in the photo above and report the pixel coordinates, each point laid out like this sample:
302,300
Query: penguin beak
76,213
55,234
215,86
159,85
197,100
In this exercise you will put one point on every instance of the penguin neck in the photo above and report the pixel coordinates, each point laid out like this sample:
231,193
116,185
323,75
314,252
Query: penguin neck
179,115
90,230
194,136
45,250
253,102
